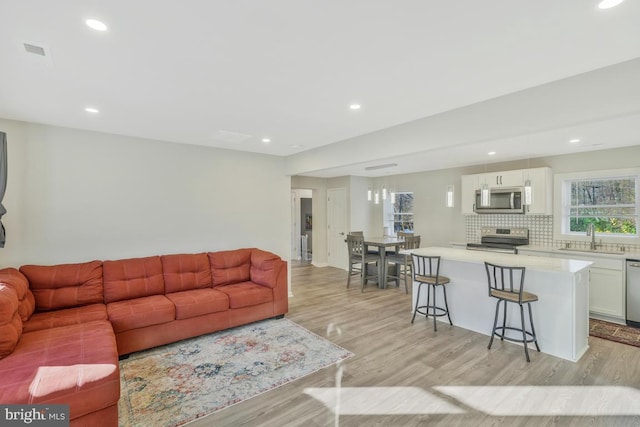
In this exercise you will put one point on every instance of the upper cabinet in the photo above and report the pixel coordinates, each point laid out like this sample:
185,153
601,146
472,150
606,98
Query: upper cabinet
504,179
468,187
541,185
541,191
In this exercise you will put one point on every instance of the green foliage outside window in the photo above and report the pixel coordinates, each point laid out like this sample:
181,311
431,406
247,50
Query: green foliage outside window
609,204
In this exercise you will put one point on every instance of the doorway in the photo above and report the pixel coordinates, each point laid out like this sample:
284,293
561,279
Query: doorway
301,225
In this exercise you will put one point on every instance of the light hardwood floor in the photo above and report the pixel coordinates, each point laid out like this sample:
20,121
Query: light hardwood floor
391,352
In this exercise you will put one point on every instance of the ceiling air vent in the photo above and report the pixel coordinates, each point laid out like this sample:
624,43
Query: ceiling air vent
37,50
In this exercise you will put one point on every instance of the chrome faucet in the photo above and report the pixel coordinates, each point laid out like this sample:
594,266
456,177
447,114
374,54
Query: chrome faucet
591,231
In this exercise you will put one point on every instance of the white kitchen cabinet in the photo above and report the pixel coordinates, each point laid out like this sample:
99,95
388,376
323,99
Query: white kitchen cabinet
606,293
606,285
468,189
514,178
541,184
542,190
607,290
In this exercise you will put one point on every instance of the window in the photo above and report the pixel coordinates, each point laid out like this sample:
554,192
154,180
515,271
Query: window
609,203
403,213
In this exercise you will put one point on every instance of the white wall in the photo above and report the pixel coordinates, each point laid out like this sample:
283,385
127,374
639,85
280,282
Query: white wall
436,224
75,195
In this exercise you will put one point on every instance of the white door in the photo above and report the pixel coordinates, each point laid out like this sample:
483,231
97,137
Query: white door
337,228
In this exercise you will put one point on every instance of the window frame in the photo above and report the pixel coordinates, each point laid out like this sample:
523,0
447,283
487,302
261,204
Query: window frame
562,205
390,214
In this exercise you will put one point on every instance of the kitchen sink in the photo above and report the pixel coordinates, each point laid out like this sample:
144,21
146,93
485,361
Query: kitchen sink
591,251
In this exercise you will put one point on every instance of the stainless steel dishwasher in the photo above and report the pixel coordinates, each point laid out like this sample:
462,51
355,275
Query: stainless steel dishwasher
633,292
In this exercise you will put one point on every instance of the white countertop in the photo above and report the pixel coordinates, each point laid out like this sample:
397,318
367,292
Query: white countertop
479,257
577,252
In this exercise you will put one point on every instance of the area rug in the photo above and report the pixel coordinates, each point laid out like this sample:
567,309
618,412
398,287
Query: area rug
614,332
177,383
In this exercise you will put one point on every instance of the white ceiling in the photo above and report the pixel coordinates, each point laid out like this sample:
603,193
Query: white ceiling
467,76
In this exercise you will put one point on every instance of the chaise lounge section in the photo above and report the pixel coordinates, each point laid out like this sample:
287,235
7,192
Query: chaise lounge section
63,327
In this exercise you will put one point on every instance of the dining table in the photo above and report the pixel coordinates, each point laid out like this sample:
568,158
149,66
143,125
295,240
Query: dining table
382,243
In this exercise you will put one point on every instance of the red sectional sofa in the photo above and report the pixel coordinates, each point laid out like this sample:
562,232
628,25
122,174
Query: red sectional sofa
63,327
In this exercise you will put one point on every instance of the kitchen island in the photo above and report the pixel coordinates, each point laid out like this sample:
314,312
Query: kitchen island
561,314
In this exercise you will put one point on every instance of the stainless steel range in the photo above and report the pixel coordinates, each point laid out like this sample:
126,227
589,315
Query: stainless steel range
504,240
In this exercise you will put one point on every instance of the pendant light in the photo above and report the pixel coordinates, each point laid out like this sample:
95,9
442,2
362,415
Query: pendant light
369,194
528,189
376,199
384,192
485,195
392,195
528,193
450,189
485,192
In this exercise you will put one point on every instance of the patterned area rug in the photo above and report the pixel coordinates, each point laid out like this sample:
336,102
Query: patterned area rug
176,383
614,332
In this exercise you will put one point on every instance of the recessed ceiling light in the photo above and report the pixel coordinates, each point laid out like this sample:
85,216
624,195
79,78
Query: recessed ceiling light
491,153
355,106
574,140
91,110
266,140
96,25
608,4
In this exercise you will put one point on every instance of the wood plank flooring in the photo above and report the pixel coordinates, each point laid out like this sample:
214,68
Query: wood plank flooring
391,352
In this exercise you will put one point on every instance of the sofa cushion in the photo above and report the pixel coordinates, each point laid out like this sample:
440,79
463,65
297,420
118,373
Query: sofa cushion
229,267
140,312
19,282
10,322
265,267
65,317
65,285
186,271
132,278
246,294
75,365
198,302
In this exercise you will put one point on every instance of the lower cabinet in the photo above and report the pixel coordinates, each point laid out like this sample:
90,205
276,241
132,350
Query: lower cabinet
607,291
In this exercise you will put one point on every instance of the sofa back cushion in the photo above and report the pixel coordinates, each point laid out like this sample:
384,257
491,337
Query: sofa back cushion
229,267
265,267
10,322
184,272
65,285
18,281
132,278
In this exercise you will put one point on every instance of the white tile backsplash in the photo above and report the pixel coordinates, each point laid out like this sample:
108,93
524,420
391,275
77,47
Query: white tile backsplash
540,231
540,226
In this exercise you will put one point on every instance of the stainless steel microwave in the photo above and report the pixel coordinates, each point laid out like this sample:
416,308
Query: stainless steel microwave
501,201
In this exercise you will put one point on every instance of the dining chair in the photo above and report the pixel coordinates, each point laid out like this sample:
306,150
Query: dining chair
359,259
403,262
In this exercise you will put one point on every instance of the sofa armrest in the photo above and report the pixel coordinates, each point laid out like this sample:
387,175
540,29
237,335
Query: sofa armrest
268,269
265,267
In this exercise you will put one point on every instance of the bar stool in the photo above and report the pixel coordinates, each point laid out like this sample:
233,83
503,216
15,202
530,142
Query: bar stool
506,284
426,271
